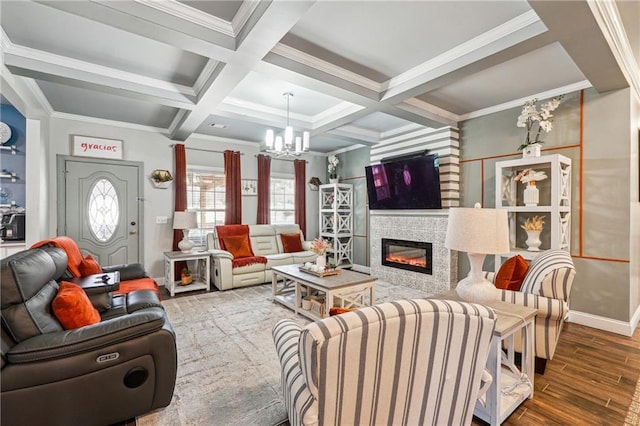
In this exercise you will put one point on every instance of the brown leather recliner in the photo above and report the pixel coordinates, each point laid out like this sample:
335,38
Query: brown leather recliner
121,367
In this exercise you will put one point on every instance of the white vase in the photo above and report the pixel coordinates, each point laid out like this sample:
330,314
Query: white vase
321,261
334,180
533,240
532,150
531,195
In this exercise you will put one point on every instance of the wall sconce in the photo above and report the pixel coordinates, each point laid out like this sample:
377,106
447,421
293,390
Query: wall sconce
314,183
161,178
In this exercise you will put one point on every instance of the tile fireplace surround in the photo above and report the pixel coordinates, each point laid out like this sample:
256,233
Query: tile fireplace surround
415,226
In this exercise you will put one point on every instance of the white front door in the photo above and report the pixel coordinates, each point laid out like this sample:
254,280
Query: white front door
100,207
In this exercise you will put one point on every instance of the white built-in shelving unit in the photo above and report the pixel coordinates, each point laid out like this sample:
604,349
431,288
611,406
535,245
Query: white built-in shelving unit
554,202
336,222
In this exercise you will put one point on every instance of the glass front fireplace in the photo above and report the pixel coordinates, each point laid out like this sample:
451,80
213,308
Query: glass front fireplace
413,256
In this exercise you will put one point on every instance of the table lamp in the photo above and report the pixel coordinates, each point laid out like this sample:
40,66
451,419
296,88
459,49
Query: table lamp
185,221
478,232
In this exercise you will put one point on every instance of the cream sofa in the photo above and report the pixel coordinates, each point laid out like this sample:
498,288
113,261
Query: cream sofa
265,241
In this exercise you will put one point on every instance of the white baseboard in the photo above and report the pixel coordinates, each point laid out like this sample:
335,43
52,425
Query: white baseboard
606,324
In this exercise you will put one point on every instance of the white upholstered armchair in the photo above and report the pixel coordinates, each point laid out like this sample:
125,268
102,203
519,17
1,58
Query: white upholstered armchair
546,287
403,363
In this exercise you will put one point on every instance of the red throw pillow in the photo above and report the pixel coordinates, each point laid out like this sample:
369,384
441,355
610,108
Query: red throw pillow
89,266
73,308
291,243
512,273
238,246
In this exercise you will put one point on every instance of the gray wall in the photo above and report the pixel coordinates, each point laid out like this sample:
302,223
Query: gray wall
153,150
351,170
603,283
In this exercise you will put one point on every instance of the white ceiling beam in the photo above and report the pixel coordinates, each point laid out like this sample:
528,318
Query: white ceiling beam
274,23
583,41
307,77
148,22
512,32
46,66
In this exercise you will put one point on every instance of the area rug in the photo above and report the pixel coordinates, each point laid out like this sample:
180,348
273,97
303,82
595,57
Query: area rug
228,370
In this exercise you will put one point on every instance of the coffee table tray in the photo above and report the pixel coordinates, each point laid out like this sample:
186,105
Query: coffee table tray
320,274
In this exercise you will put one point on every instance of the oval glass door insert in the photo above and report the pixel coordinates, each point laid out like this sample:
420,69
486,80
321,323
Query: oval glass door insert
104,210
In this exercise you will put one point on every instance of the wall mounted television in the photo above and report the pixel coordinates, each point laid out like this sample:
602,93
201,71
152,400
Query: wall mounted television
411,183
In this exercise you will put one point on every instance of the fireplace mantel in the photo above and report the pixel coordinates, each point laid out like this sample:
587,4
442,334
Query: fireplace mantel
418,225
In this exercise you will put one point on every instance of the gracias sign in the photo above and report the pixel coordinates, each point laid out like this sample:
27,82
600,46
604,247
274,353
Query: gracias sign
86,146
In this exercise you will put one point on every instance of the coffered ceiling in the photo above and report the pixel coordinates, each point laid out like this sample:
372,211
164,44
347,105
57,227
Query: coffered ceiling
360,71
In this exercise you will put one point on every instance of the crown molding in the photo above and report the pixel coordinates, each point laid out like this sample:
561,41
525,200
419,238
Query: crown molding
106,122
468,51
335,113
242,16
261,111
205,74
584,84
212,138
191,14
324,66
608,18
39,95
421,105
75,66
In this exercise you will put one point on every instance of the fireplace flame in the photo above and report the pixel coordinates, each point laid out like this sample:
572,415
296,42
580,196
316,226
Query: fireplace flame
408,260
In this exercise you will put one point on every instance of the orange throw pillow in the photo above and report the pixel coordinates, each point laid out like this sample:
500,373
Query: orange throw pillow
238,246
512,273
73,308
89,266
291,243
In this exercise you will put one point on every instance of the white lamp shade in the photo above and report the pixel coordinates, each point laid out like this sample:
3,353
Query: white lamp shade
478,230
185,220
305,141
288,136
278,143
270,137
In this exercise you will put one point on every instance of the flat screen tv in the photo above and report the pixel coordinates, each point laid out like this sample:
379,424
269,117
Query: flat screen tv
412,183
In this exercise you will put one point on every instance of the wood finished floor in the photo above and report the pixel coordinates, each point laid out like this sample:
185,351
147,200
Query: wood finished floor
590,381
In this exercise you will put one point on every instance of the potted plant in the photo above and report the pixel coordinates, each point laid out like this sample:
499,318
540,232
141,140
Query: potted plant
186,276
332,168
530,117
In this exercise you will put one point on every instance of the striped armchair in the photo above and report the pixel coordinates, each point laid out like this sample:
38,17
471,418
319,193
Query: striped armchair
546,287
403,363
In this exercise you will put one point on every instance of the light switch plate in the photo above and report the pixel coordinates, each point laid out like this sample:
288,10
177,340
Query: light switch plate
161,219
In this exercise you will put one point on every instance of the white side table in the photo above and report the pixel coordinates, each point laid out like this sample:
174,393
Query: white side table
201,278
511,385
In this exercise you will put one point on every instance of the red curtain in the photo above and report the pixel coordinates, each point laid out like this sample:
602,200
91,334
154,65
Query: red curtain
264,189
300,187
180,184
232,183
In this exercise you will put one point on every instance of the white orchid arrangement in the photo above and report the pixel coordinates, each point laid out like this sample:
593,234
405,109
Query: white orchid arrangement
530,175
333,165
530,116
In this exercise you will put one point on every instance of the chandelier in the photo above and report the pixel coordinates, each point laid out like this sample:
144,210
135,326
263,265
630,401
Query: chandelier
287,145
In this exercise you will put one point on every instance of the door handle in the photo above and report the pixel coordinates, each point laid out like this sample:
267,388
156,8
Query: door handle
133,230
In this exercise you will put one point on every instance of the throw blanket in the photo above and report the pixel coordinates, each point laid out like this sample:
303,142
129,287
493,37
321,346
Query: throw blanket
74,256
237,231
230,231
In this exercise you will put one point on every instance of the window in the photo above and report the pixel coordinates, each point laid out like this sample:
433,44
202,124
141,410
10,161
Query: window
205,196
282,201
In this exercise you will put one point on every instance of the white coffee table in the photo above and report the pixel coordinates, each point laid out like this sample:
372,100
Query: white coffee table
346,290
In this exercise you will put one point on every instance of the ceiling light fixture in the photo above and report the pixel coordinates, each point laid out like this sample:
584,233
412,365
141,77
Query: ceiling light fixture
282,146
